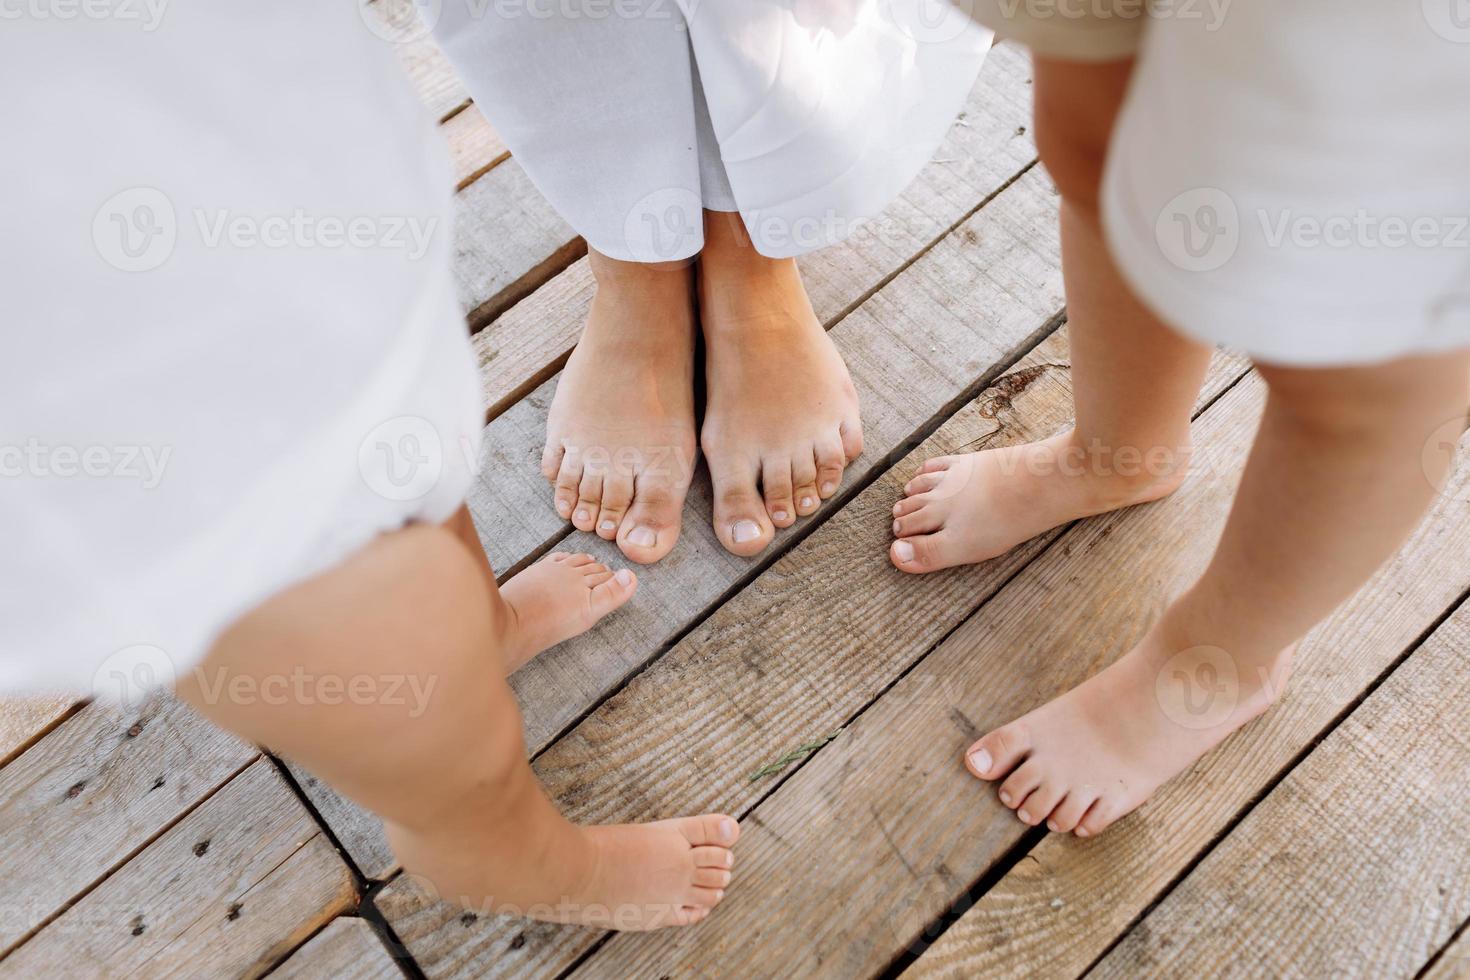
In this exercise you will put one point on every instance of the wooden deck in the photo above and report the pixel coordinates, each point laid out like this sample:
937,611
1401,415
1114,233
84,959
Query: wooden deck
1332,837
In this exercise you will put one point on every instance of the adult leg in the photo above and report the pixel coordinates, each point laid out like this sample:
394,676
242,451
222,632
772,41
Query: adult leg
403,707
1134,380
782,418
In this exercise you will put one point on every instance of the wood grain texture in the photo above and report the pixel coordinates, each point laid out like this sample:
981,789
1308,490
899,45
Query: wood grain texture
1357,864
397,22
882,829
793,656
474,145
946,322
1061,907
1453,962
23,720
347,949
90,793
228,891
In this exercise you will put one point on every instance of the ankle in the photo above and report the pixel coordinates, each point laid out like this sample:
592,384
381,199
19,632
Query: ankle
1123,475
1258,666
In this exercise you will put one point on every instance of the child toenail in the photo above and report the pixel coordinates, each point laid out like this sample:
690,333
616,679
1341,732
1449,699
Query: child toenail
980,762
1005,797
1025,817
729,859
828,487
895,529
896,509
1051,825
779,515
807,501
582,515
1081,831
643,537
624,577
904,551
727,829
744,531
562,507
607,525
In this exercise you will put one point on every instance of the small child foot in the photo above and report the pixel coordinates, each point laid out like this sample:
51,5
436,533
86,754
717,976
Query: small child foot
559,597
651,875
971,507
1098,752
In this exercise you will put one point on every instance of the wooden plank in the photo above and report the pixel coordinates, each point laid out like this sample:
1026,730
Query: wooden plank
1103,885
846,624
474,145
1453,962
890,796
432,76
1357,864
89,794
347,949
227,892
24,720
964,308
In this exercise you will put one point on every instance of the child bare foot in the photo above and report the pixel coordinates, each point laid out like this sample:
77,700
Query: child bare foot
958,510
559,597
620,434
782,418
1098,752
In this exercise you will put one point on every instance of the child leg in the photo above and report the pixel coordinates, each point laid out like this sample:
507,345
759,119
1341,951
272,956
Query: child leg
1134,380
404,707
1337,477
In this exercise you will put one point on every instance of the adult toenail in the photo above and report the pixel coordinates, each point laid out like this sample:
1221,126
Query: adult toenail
607,525
744,531
1051,825
904,551
1025,817
1005,797
729,859
624,577
807,501
727,829
582,515
643,537
562,507
779,515
980,761
895,529
898,510
828,487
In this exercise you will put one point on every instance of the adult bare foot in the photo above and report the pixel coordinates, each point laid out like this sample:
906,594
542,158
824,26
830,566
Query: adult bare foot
958,510
1098,752
782,416
559,597
620,444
